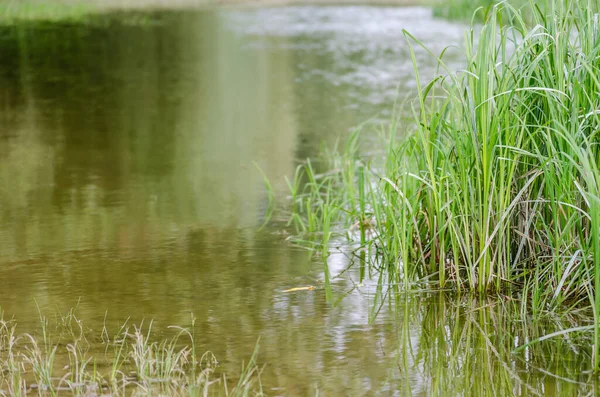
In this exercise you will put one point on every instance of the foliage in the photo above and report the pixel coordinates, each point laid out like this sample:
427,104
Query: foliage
13,11
133,363
472,9
497,186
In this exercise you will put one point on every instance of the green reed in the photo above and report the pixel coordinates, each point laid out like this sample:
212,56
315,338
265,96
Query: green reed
496,186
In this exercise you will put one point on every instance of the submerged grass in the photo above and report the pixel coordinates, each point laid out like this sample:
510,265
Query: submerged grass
134,362
496,186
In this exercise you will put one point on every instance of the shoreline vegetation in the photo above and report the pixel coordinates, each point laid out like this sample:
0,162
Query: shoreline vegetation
64,358
14,11
496,186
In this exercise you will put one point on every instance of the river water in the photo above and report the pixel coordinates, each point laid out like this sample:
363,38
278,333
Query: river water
128,188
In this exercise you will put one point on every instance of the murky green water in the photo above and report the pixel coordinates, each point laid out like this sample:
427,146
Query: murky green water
127,184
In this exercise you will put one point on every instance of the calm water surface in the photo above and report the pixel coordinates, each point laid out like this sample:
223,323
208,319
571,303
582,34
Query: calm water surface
128,188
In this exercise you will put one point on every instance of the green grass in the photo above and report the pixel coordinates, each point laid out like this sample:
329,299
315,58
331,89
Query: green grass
14,11
474,9
60,358
496,188
462,9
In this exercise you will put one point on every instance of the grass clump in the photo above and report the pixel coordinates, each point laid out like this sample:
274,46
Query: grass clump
129,362
497,186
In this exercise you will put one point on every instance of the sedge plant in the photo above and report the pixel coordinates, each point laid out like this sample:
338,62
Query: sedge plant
495,186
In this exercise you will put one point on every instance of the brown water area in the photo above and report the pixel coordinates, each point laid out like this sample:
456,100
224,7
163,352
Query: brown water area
129,189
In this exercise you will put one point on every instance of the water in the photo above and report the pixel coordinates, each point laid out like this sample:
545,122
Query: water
128,188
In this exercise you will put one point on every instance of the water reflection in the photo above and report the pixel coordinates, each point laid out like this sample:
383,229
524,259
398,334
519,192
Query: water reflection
127,182
463,346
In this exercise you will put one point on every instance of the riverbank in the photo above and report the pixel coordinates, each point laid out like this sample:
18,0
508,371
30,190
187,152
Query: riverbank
33,9
54,10
204,3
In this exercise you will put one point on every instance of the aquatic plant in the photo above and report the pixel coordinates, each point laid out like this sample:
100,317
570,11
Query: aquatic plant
133,362
495,187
